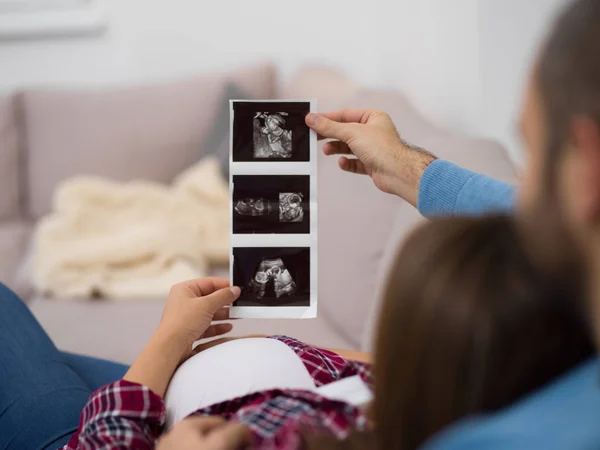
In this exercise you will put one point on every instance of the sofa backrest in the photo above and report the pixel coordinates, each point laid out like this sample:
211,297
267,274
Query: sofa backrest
359,226
480,155
151,132
10,161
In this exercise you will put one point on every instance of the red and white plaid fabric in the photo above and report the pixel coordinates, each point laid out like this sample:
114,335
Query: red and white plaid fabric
125,415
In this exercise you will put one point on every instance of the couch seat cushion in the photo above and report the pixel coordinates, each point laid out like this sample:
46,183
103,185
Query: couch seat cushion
119,329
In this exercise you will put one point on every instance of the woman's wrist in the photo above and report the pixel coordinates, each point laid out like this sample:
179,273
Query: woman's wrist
172,341
158,361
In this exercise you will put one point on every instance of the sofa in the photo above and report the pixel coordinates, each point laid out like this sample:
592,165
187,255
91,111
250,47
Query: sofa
48,134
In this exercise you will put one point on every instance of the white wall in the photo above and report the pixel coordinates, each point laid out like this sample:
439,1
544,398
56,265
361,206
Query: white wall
511,32
430,52
462,62
153,39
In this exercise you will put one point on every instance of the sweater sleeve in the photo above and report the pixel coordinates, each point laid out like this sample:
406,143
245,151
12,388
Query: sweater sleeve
447,189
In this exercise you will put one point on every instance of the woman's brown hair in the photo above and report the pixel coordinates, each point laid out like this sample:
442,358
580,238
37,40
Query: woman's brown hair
467,326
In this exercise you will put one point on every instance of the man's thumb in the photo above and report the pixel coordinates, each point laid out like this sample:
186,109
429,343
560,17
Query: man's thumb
328,128
223,297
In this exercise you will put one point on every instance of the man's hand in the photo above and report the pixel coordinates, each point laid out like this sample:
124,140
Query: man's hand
205,433
380,152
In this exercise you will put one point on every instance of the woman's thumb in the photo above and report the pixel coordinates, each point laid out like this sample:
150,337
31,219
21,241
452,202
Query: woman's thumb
222,297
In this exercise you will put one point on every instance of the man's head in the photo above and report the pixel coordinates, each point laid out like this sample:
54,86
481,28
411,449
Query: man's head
560,199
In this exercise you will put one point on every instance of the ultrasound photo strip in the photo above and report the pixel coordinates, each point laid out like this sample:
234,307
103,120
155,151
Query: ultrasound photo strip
273,209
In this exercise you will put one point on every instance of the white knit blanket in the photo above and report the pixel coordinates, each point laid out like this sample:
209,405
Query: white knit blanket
136,239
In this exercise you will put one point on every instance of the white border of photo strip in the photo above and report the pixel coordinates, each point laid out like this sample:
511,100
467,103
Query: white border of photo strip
277,240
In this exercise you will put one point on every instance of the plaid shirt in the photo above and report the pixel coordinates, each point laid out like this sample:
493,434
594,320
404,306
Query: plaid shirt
125,415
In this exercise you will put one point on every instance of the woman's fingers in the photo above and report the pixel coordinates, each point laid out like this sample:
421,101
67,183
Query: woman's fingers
352,165
203,424
217,330
205,286
222,314
211,432
222,297
206,345
229,437
336,148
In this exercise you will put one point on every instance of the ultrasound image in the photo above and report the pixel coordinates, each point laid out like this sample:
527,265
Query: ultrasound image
290,207
272,279
264,204
270,131
271,137
272,276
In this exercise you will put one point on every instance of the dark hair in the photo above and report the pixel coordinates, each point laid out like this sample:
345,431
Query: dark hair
567,77
568,73
467,326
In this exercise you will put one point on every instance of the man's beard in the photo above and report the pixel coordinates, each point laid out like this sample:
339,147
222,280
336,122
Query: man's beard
556,254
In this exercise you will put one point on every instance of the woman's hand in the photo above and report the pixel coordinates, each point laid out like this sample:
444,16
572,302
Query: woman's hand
205,433
187,317
192,306
395,166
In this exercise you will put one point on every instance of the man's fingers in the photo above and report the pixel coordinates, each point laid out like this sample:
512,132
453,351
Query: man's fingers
350,115
217,330
336,148
221,298
328,128
229,437
352,165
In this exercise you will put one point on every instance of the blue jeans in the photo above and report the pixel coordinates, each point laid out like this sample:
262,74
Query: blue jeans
42,390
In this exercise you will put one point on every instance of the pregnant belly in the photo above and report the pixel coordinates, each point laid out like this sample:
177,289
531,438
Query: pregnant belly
231,370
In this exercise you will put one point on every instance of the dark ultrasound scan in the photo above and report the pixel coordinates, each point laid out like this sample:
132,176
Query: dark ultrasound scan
272,276
272,136
270,131
265,204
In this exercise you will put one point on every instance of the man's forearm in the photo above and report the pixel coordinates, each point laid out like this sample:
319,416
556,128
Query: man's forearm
410,164
446,189
440,188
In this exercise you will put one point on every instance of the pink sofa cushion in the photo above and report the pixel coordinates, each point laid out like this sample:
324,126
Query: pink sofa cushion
360,227
9,159
320,82
479,155
150,132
